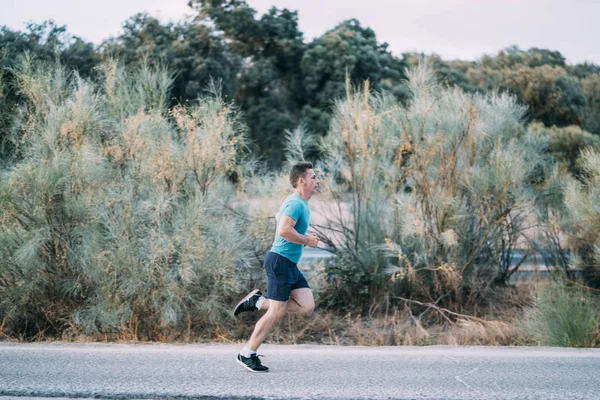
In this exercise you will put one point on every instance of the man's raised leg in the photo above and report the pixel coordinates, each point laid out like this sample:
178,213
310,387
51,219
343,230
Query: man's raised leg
301,302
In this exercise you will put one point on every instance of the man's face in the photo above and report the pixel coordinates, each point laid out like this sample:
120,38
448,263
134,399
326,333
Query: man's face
310,183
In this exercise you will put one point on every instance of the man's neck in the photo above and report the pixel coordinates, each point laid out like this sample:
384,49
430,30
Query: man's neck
302,194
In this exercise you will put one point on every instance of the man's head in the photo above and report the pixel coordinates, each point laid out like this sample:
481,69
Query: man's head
303,178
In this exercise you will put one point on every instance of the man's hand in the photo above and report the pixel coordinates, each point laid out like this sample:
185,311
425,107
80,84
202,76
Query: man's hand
312,240
286,230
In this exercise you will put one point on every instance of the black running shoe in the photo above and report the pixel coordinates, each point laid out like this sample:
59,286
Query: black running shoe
251,363
248,303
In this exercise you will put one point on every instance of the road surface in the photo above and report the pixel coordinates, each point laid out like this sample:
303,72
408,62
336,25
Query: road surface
145,371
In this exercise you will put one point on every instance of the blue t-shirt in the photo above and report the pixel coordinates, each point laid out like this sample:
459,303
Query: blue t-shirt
296,208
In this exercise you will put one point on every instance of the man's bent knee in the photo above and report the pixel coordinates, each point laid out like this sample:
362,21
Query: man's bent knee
305,301
306,308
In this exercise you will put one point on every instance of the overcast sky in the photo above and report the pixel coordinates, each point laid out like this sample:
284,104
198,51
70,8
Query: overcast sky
463,29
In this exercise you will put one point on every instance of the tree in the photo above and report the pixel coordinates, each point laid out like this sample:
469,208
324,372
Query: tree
48,43
194,51
438,193
584,70
269,86
591,88
566,144
118,218
512,56
346,50
453,73
553,96
285,82
582,199
539,78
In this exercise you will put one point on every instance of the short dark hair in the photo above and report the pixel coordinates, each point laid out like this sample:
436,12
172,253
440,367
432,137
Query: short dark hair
299,170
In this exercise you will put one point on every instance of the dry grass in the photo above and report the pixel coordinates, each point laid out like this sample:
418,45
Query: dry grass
329,329
398,329
497,325
500,324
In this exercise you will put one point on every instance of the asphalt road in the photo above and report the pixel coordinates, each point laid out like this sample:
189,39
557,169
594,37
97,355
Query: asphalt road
144,371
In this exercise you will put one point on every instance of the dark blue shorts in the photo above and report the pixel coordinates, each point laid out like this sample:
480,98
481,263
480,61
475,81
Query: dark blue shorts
283,276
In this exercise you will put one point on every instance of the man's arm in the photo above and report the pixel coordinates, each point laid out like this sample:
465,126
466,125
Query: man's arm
286,230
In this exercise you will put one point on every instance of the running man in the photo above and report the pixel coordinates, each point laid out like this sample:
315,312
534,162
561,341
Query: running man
287,289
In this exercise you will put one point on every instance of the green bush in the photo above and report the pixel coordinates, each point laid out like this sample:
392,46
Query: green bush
443,186
582,200
591,88
116,221
562,316
566,144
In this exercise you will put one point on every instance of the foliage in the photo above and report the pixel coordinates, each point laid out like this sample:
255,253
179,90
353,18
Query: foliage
279,81
591,88
548,238
566,144
118,212
540,78
194,51
46,42
562,316
448,73
116,220
584,70
269,87
512,57
582,199
445,185
553,96
285,82
346,50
